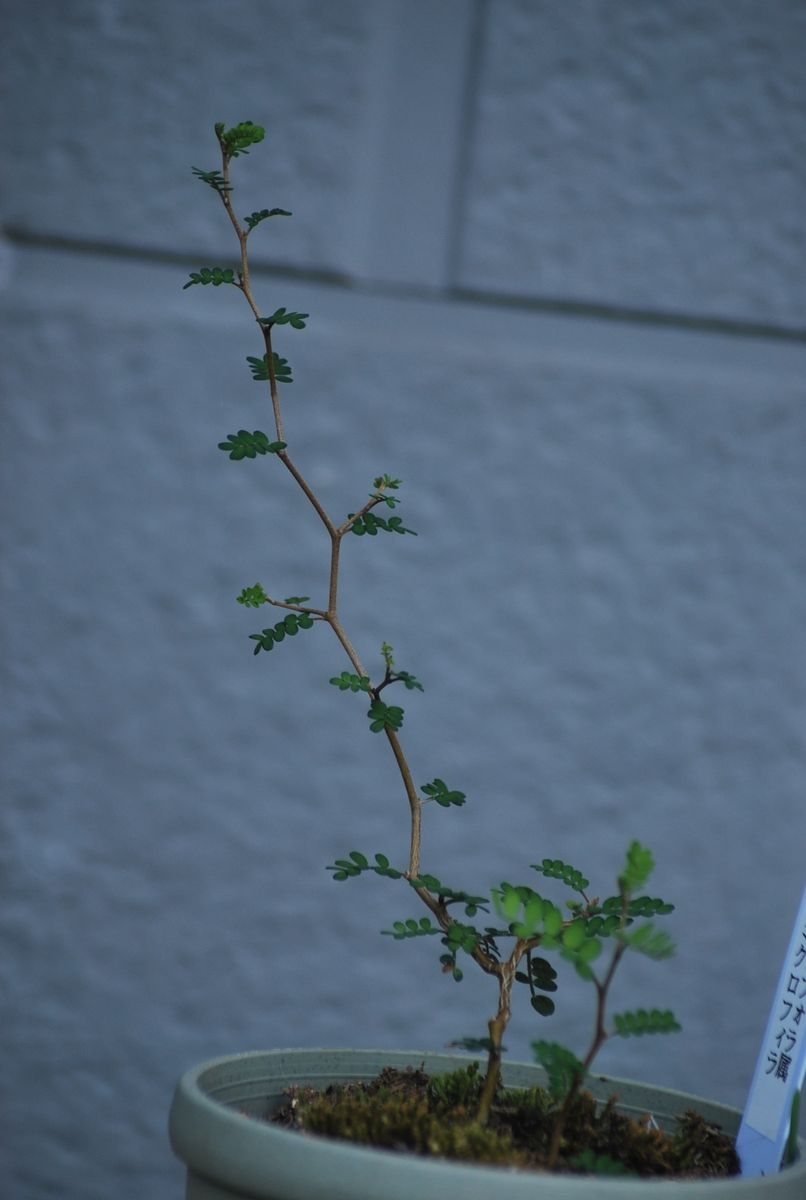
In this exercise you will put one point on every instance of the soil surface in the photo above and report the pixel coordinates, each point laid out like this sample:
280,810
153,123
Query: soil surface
410,1112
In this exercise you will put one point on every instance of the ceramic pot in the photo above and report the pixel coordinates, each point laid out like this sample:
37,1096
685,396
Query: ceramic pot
232,1156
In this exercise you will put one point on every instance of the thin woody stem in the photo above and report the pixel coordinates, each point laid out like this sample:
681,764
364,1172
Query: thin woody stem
496,1026
600,1036
415,803
336,534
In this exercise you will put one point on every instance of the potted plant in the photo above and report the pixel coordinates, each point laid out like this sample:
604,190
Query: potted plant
220,1116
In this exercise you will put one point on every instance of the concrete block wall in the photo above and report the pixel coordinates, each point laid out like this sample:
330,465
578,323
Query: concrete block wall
553,256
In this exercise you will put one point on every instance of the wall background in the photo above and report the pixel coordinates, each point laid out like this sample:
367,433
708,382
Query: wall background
553,256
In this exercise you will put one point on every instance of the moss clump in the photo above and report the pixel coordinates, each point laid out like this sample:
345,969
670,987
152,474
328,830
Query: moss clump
407,1111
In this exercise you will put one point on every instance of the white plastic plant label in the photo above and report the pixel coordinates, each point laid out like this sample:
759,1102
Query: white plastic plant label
781,1064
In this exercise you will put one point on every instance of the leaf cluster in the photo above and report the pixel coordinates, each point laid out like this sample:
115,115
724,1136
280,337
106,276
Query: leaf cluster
260,368
288,627
356,862
540,976
555,868
214,275
255,218
370,523
236,141
244,444
411,928
281,317
642,1021
348,681
562,1067
213,179
253,597
438,790
384,716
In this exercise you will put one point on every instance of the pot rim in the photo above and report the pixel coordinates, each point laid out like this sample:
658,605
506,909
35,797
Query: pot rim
253,1150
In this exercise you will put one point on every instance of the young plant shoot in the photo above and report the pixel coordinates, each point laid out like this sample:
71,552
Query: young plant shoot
511,934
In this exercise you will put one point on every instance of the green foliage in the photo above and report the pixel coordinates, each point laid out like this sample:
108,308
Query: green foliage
648,940
244,444
562,1067
384,716
528,914
641,1021
554,868
347,681
540,977
255,218
600,926
457,1088
461,937
411,928
370,523
588,1162
253,597
214,275
260,368
288,627
296,599
382,498
475,1045
236,141
356,862
386,481
411,683
281,317
438,790
213,179
430,883
638,866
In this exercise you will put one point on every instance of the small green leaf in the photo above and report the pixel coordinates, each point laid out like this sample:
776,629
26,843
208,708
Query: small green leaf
384,716
280,317
289,625
253,597
553,921
637,868
370,523
555,868
256,217
438,790
475,1045
643,1021
411,928
214,275
244,444
260,368
542,1005
654,943
347,681
561,1066
236,140
213,179
574,935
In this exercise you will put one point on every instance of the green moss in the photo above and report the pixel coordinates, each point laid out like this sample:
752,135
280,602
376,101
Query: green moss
407,1111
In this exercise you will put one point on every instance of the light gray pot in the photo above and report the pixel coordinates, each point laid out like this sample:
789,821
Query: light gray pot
231,1156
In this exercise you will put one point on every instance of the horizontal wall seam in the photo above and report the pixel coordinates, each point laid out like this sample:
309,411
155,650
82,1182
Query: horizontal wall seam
581,309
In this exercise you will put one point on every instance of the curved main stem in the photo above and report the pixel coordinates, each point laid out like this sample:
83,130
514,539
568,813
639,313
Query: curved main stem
503,971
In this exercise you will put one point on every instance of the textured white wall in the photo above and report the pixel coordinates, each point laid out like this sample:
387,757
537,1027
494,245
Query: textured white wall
607,599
